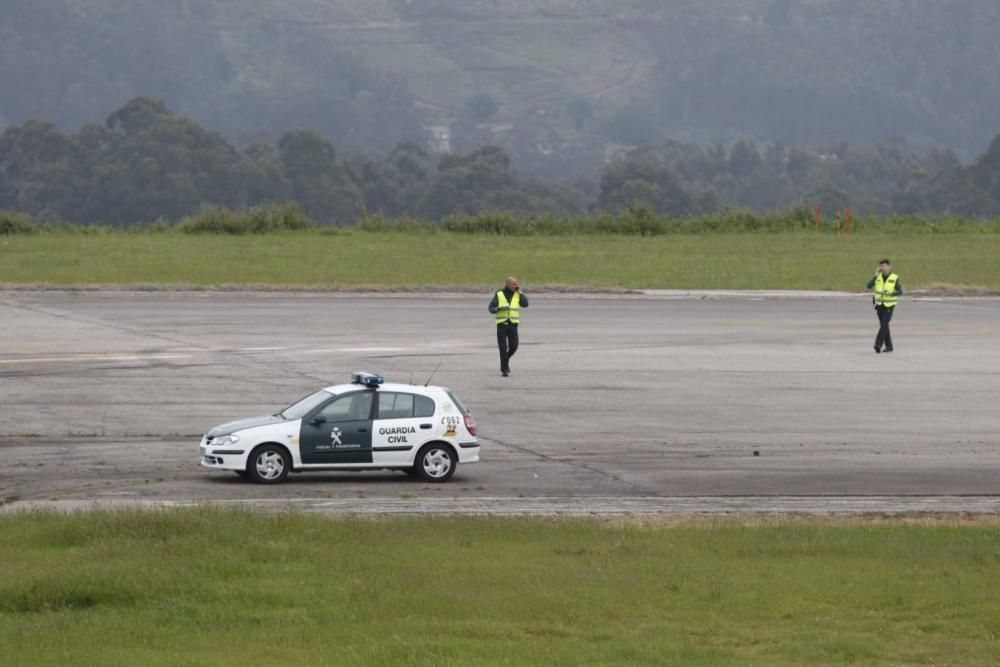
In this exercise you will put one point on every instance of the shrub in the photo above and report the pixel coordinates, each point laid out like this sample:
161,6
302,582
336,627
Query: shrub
12,222
255,220
554,225
636,220
214,220
287,217
641,220
404,225
375,223
158,226
501,223
413,226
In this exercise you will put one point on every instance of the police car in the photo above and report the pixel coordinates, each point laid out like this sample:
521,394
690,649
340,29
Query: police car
424,431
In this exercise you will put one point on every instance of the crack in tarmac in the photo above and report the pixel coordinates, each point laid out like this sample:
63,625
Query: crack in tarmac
559,461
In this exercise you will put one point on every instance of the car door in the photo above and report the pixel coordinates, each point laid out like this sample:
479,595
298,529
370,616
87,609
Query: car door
403,421
339,432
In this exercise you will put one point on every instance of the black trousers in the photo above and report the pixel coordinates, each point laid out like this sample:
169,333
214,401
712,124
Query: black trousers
507,342
883,337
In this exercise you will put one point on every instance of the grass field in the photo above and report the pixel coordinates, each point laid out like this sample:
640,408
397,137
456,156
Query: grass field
201,587
795,260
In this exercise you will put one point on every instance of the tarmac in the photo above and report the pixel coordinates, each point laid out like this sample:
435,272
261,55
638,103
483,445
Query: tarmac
631,404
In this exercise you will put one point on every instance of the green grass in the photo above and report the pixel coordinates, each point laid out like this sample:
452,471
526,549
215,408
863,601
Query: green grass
792,260
198,587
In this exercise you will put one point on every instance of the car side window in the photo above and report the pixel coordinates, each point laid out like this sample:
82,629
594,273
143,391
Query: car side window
395,406
392,405
423,406
352,407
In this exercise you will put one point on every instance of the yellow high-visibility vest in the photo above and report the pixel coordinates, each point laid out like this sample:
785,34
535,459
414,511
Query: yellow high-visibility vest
508,311
885,290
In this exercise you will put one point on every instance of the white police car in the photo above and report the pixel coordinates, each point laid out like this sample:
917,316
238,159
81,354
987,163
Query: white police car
366,425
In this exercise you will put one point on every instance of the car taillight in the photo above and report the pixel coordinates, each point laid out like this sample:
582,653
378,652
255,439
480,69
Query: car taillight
470,425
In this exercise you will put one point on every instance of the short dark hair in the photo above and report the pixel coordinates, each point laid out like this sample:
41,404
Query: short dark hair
884,261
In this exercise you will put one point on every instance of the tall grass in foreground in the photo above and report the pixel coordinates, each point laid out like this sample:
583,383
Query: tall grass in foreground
224,587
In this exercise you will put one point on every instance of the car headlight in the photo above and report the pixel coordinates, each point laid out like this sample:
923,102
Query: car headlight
223,440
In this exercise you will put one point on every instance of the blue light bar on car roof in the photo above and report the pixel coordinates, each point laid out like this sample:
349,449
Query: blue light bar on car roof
369,380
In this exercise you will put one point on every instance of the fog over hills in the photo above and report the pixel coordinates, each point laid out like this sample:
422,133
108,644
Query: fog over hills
561,84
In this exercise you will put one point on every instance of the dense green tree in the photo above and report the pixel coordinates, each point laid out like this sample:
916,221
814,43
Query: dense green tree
41,170
321,186
469,183
396,186
643,180
972,191
145,163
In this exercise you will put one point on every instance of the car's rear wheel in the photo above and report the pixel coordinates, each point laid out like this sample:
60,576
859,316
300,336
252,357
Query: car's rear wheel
435,463
268,464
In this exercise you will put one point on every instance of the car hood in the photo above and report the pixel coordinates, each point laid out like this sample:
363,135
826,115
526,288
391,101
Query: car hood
242,424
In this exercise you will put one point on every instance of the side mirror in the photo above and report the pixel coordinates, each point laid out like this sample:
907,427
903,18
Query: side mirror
317,420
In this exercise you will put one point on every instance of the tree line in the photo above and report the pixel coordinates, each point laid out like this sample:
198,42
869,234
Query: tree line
146,163
879,179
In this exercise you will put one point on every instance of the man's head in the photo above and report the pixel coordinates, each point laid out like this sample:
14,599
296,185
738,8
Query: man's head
511,284
885,266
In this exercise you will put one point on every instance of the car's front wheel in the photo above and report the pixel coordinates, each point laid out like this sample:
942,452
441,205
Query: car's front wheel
435,463
268,464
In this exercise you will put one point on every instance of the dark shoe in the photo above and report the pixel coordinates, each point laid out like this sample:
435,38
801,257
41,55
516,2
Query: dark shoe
887,350
505,373
877,350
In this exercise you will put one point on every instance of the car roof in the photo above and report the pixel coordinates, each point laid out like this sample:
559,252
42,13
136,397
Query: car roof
388,386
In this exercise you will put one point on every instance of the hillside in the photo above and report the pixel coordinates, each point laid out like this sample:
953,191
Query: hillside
560,83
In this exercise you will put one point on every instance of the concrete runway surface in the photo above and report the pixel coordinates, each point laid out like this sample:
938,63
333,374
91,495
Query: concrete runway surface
638,404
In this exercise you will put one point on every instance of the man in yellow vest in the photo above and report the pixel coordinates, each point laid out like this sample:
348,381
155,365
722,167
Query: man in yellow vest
886,292
506,306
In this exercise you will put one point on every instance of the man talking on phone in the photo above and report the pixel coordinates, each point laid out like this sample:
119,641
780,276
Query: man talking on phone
506,305
886,292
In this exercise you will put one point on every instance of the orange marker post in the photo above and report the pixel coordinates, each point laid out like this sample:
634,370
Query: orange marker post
819,217
847,218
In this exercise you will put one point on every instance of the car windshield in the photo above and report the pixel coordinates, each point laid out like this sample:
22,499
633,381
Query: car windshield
302,407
